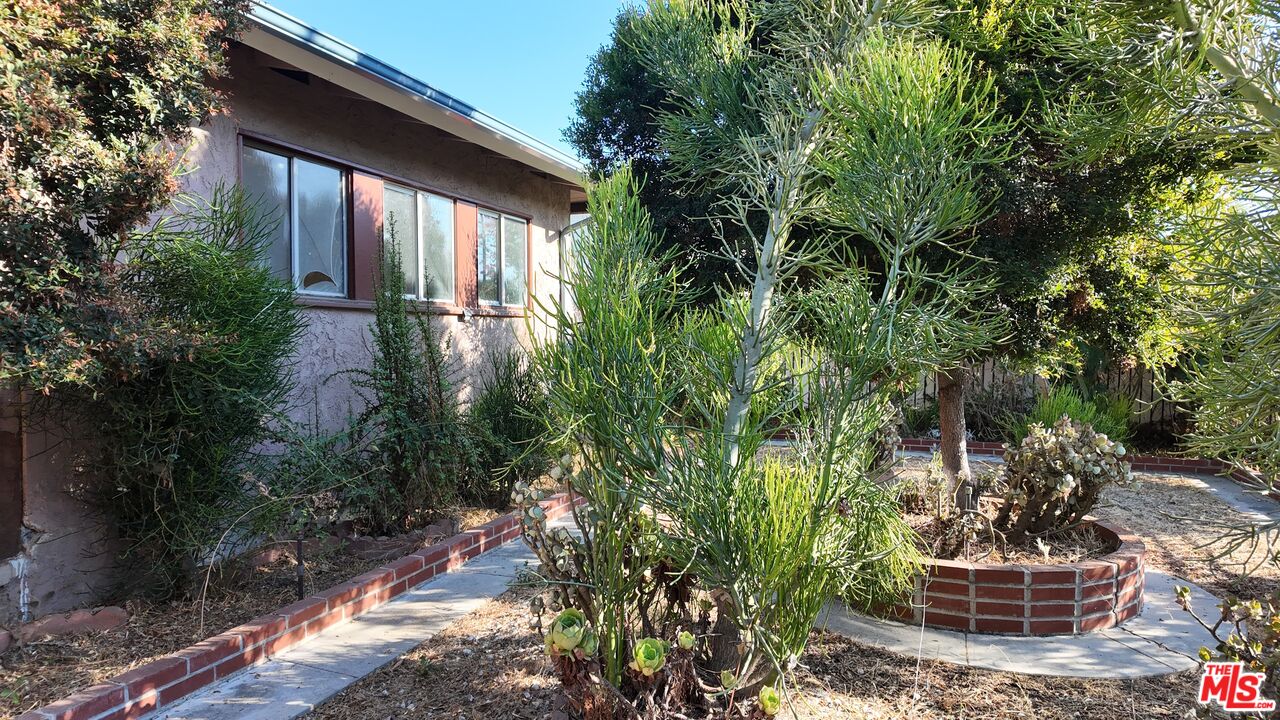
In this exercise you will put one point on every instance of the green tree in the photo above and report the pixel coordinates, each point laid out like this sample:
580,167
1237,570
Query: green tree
1210,73
1198,71
93,96
1204,72
412,415
1078,251
844,115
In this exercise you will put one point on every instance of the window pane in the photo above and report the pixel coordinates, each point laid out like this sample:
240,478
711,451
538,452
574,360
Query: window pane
265,179
437,246
319,229
487,257
514,259
399,225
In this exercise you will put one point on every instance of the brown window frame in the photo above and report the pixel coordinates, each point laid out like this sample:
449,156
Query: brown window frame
528,259
359,257
347,203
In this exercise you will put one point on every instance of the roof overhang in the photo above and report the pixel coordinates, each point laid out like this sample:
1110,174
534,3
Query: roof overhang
290,40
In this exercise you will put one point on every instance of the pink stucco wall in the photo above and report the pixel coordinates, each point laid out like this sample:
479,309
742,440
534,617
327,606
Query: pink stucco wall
67,559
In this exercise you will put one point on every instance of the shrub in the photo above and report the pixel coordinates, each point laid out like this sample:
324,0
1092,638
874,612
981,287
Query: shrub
317,478
1106,414
987,408
417,437
1055,476
920,420
96,96
175,431
508,428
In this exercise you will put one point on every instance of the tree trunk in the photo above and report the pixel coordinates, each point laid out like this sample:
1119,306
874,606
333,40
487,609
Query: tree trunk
955,455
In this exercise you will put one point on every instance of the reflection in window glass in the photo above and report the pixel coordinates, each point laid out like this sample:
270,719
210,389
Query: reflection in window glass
265,178
487,248
514,260
320,247
437,246
399,224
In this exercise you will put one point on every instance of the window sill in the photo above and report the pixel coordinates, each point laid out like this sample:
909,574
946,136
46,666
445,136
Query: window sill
422,306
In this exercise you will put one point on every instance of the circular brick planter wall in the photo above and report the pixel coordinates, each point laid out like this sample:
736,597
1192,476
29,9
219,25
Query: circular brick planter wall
1062,599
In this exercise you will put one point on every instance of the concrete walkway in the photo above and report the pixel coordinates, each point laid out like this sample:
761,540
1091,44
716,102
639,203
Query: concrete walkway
299,679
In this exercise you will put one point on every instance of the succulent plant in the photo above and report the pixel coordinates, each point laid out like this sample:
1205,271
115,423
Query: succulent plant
587,648
769,700
649,656
1055,476
728,680
686,640
567,631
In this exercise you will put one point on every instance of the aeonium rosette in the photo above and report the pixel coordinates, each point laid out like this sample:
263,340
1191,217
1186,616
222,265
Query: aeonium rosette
769,700
569,635
686,640
649,656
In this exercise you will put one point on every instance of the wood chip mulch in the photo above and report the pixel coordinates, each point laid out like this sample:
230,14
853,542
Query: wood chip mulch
491,665
41,672
1172,515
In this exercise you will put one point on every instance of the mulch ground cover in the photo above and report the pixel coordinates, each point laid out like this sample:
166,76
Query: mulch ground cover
491,664
41,672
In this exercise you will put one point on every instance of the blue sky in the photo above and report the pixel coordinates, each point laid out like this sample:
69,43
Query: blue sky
521,61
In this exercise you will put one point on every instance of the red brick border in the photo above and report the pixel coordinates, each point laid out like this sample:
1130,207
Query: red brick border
168,679
1062,599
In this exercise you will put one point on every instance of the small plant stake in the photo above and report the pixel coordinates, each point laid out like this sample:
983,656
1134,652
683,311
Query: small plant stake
302,564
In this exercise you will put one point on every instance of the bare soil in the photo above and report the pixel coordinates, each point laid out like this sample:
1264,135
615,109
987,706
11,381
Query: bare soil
41,672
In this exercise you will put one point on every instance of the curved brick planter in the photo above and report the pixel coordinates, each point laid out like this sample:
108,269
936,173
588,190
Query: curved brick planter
164,681
1032,599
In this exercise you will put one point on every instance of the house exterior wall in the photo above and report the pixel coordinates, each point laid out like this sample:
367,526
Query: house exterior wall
266,105
67,558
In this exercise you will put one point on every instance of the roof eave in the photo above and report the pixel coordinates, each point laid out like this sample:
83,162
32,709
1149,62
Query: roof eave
292,41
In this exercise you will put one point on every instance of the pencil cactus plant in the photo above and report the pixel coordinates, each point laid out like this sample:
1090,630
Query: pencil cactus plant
809,111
